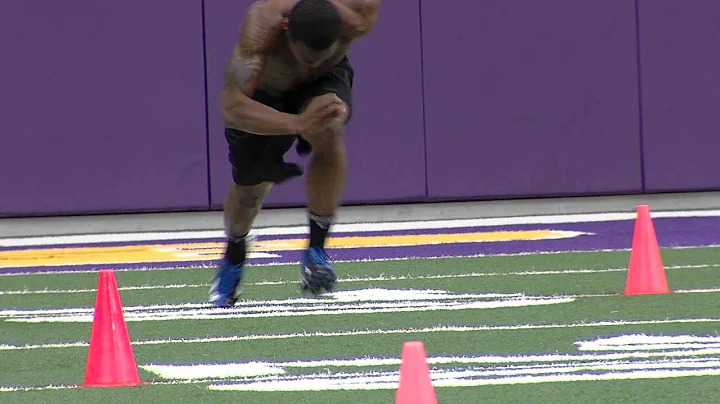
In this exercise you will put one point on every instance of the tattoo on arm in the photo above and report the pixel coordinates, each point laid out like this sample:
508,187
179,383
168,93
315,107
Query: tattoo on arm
259,31
242,71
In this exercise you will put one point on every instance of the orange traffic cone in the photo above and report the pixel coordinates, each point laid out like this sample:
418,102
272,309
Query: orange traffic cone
646,273
415,383
110,361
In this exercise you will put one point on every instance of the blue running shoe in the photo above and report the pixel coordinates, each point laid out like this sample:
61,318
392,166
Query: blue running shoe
225,285
316,273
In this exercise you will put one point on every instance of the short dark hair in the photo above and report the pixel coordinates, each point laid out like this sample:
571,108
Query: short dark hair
316,23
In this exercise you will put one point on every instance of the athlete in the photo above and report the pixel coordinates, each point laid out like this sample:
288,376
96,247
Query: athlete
288,79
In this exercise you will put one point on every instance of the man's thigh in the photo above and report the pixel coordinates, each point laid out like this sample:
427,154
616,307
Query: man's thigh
257,159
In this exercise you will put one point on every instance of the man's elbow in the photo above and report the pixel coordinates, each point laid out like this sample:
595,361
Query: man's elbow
231,107
234,118
369,11
364,25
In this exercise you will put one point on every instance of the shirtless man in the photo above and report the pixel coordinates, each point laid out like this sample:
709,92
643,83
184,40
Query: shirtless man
288,78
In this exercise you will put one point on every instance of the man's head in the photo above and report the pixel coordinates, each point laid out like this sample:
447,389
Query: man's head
314,31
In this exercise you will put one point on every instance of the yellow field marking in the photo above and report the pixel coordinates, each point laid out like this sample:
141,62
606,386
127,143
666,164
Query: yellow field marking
178,252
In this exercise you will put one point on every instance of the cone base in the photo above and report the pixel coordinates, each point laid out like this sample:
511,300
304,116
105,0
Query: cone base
109,385
646,272
646,293
653,291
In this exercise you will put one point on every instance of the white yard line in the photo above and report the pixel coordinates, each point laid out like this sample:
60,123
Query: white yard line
381,278
494,369
286,311
692,356
461,379
397,331
635,342
440,379
201,266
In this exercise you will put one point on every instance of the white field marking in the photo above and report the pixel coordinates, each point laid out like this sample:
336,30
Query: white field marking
7,389
398,331
189,372
640,342
376,381
697,290
349,227
211,264
175,382
657,347
379,382
532,369
205,370
209,371
285,311
360,295
493,375
383,278
70,291
78,386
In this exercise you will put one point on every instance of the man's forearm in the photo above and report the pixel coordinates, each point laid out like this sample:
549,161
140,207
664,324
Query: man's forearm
253,117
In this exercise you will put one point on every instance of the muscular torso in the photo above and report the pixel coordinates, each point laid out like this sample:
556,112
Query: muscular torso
282,72
262,58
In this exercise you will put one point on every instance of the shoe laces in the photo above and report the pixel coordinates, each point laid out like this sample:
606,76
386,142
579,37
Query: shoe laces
318,256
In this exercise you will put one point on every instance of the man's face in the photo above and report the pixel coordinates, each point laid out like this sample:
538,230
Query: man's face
311,57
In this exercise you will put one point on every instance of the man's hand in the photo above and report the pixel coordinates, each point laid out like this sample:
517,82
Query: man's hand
319,113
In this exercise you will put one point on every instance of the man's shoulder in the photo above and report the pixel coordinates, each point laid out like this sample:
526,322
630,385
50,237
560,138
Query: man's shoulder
282,7
362,6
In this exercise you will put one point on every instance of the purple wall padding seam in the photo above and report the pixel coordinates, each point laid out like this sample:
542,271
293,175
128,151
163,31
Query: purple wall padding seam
681,96
640,103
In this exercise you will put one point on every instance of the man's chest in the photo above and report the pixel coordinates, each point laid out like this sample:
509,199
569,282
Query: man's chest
282,72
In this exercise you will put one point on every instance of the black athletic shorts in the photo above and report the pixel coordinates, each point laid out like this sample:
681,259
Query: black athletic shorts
256,158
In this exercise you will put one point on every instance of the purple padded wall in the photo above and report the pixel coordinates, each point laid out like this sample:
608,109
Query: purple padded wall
102,106
680,61
385,136
527,97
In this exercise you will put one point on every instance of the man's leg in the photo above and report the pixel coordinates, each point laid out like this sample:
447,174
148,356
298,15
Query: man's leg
326,181
257,163
325,184
326,174
242,205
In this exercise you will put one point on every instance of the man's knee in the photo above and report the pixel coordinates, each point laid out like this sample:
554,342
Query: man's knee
251,197
330,138
336,126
